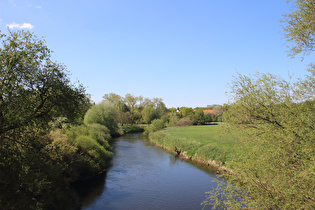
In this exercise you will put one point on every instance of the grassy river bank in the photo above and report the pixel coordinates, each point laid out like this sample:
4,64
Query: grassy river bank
206,144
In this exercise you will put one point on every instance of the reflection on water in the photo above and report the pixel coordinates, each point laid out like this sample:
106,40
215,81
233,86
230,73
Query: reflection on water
143,176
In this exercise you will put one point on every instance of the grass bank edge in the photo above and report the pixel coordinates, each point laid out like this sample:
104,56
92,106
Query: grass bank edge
209,144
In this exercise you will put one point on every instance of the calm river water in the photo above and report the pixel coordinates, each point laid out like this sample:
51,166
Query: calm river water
143,176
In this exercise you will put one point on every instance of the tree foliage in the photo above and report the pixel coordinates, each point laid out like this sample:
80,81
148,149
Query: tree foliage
299,27
198,118
33,88
278,124
34,166
136,109
104,114
92,145
278,121
149,114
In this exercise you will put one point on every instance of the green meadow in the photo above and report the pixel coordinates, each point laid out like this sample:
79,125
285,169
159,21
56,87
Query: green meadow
209,144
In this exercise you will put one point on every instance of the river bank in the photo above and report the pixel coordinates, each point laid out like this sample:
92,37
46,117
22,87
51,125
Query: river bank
204,144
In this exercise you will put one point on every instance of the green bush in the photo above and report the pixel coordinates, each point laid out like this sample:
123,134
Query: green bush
156,125
93,147
186,121
132,129
103,114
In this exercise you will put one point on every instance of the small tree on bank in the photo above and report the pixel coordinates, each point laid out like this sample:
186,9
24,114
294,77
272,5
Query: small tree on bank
103,114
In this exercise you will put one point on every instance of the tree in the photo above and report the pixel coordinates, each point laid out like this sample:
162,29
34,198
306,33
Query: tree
299,27
131,102
148,114
185,111
161,109
218,112
277,120
172,110
198,118
112,98
123,118
104,114
34,90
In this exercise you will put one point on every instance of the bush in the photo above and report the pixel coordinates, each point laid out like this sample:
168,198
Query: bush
157,124
103,114
93,147
186,121
132,129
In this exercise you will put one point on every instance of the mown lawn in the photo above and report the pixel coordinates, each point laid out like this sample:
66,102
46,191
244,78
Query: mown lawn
202,143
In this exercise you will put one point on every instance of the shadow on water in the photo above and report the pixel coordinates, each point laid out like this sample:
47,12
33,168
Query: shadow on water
90,189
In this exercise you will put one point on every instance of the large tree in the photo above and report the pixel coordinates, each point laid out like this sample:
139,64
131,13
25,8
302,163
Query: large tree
34,90
277,119
277,170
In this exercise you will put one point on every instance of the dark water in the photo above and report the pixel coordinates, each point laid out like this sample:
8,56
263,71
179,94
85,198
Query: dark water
143,176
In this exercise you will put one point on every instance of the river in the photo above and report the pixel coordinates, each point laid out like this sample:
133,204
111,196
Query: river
143,176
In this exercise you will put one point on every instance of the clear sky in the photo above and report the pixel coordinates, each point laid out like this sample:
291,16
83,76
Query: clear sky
183,51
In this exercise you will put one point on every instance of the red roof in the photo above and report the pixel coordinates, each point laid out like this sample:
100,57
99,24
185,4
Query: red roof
208,111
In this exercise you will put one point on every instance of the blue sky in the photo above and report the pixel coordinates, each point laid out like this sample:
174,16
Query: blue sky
183,51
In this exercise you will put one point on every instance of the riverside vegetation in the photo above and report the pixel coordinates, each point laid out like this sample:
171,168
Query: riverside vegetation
44,146
276,118
52,135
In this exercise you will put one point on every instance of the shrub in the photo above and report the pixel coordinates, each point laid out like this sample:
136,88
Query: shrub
132,129
157,124
93,147
186,121
103,114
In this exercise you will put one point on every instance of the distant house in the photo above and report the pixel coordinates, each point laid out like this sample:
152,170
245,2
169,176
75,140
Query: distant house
204,111
208,112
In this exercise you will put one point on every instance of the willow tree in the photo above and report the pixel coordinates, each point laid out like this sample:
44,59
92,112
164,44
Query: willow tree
277,170
299,27
277,119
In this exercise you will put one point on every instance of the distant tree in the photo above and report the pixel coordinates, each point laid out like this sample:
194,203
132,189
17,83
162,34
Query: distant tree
208,118
185,111
299,27
161,109
198,118
218,112
123,118
172,110
148,114
130,100
112,98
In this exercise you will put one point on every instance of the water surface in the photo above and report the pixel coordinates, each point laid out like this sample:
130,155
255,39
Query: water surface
143,176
